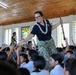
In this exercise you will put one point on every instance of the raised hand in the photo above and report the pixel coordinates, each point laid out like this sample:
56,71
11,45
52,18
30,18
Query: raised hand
21,42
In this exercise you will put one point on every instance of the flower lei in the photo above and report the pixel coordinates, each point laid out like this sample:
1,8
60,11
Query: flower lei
41,28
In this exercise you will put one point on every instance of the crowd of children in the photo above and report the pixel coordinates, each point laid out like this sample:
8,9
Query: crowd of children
20,60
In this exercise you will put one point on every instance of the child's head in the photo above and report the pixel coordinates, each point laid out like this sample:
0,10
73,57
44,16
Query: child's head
23,71
59,49
69,53
55,59
23,57
29,43
7,69
3,56
32,54
73,68
14,33
12,63
68,63
39,63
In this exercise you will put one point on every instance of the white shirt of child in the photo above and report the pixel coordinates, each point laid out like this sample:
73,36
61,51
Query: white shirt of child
22,65
57,70
43,72
29,66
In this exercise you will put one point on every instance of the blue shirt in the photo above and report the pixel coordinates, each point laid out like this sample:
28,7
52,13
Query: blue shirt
40,35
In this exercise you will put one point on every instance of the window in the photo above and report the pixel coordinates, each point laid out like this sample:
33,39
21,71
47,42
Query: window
60,39
75,31
25,31
8,36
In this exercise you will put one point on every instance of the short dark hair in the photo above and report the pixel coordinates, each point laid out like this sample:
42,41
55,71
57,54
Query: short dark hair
29,42
12,63
14,33
6,69
23,71
39,62
3,56
70,51
71,47
33,54
57,57
25,56
39,12
59,49
6,49
73,68
68,63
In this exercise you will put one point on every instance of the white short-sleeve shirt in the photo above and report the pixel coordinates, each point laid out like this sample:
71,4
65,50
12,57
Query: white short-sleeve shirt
57,70
43,72
29,66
